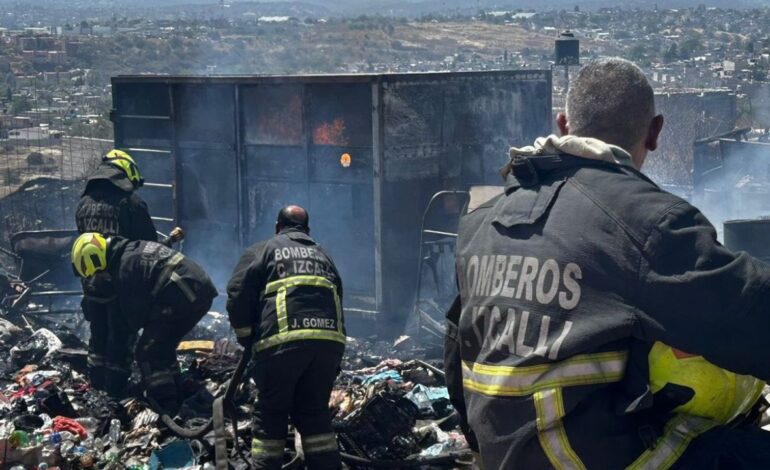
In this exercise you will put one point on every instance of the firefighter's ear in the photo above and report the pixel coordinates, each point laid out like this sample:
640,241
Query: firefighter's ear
562,123
653,132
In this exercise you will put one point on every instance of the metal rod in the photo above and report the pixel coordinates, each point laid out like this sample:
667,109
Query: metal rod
139,116
146,150
436,232
378,165
52,293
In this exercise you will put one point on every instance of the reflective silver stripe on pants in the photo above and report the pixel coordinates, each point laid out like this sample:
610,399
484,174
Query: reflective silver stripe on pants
583,369
159,378
678,434
551,434
319,443
267,448
243,331
98,360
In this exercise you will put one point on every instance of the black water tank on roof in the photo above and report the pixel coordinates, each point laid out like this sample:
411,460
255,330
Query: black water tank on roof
567,50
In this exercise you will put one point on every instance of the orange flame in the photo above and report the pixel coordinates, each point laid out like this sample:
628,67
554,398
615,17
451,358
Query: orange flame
331,133
345,160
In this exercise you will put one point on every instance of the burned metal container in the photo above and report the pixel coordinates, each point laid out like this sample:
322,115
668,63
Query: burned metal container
751,236
364,154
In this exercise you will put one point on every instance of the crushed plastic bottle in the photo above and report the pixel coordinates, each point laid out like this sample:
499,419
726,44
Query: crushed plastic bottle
114,432
67,448
97,445
19,439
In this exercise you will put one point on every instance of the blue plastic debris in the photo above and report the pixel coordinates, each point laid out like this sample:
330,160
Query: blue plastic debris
382,376
426,397
176,455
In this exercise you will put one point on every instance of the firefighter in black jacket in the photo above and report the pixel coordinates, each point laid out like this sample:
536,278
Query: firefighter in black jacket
110,206
601,317
149,287
285,301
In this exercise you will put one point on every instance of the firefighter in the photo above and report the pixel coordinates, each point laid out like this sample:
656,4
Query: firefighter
597,310
285,302
150,287
110,206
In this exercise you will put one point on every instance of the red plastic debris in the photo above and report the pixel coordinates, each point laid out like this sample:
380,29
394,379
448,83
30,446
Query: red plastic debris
60,423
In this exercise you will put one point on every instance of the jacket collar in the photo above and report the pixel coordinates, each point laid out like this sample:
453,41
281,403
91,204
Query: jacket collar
295,234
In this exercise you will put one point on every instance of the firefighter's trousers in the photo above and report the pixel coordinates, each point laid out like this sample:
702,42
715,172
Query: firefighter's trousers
295,380
172,318
111,347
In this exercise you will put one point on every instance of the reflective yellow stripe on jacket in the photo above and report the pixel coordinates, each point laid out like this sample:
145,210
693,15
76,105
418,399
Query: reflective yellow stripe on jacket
284,335
583,369
168,275
545,382
678,434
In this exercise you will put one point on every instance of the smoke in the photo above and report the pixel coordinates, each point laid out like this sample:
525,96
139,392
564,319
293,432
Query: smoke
725,180
734,183
312,144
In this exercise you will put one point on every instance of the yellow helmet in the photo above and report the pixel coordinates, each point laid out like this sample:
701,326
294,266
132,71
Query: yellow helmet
89,254
718,394
124,161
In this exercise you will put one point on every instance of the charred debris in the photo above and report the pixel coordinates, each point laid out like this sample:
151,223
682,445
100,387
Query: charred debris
390,409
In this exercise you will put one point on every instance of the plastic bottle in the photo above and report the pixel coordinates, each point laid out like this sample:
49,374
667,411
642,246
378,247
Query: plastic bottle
67,448
114,433
19,439
111,456
98,444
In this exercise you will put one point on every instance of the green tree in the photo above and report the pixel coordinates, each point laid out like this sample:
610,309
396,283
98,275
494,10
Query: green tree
19,105
671,54
689,48
638,54
759,73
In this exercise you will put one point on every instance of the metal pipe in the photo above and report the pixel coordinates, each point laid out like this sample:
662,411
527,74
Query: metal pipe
436,232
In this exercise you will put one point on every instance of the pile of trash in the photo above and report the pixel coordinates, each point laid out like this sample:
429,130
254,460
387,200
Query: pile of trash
52,418
385,409
397,411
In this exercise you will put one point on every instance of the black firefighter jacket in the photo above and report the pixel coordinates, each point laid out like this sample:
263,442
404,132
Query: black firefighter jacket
110,206
138,273
565,282
286,289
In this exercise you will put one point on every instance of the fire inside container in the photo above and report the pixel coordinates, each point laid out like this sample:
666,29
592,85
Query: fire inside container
364,154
